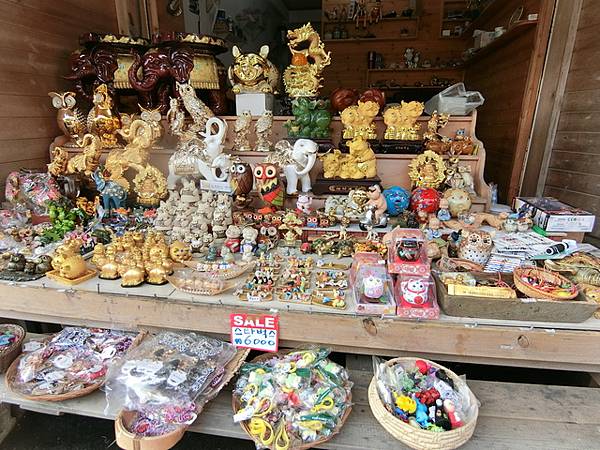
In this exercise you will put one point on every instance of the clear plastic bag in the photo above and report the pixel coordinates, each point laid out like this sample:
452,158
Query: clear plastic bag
454,100
163,377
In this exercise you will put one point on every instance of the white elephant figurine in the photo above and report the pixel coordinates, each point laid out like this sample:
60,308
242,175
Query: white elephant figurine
297,162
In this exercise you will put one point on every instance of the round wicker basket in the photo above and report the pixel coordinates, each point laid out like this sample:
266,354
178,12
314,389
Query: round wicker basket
130,441
418,438
10,352
319,442
545,275
11,375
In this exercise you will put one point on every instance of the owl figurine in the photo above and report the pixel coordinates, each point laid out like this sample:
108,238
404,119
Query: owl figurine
70,119
241,183
153,117
475,246
263,130
242,129
270,187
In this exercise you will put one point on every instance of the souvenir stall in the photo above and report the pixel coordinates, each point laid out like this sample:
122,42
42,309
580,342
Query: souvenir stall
180,223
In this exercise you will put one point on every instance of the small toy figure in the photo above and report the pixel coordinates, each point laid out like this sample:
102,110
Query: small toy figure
303,204
241,182
270,187
227,255
373,287
233,240
112,193
459,201
376,207
263,128
249,235
247,254
443,213
414,293
212,254
242,129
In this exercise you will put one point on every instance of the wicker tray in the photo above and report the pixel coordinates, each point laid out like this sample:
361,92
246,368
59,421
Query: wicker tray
418,438
130,441
319,442
10,352
544,274
11,374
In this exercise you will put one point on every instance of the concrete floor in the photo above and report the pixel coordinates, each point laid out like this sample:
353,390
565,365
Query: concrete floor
36,431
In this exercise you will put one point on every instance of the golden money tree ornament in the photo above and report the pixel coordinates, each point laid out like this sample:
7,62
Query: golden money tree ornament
302,78
401,121
427,170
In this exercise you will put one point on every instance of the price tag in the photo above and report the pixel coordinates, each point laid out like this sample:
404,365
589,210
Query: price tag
258,332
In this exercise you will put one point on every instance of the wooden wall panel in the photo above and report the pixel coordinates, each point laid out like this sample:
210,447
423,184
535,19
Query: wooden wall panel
349,59
574,167
507,79
37,37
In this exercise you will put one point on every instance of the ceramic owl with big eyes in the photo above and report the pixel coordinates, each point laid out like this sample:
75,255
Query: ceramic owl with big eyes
270,187
475,246
241,182
153,117
70,120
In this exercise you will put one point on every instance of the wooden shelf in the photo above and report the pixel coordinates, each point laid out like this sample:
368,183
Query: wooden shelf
418,69
510,35
492,8
375,39
385,19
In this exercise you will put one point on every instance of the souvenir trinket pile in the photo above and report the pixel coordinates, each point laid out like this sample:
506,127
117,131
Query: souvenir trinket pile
161,379
424,395
74,360
288,401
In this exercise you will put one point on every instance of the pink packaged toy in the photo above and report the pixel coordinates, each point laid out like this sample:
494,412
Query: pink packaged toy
407,252
416,297
371,286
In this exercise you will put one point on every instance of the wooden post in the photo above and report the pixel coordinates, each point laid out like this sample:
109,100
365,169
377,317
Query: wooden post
554,79
7,421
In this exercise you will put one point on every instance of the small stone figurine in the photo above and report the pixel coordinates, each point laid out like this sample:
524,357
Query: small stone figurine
263,130
242,129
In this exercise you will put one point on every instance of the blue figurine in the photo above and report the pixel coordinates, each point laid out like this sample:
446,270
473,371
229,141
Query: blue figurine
421,414
397,200
112,193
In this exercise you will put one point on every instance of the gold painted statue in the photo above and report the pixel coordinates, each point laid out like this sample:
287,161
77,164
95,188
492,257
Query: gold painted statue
251,72
69,118
401,121
85,162
302,78
150,185
358,120
101,120
427,170
358,164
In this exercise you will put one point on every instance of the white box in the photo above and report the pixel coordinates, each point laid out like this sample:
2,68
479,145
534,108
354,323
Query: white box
257,103
552,215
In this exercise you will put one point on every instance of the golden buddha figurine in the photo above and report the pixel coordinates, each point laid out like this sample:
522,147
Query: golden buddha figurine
302,78
427,170
150,185
401,121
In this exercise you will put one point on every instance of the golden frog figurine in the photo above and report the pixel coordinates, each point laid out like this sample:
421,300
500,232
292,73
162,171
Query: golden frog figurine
101,120
302,78
401,121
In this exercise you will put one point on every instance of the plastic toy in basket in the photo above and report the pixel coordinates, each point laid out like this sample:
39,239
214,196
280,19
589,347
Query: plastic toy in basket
296,400
422,404
416,297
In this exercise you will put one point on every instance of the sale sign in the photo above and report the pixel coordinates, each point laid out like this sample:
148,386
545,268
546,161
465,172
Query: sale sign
257,332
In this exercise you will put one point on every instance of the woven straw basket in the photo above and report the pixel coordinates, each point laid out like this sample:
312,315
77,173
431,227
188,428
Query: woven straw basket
543,274
417,438
10,352
11,375
294,446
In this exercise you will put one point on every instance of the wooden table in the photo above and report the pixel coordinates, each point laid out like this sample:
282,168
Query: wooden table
497,342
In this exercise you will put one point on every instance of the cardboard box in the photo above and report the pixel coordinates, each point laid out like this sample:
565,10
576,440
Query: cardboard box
552,215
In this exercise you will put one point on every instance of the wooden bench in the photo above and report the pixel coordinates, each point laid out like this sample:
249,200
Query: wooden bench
512,416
